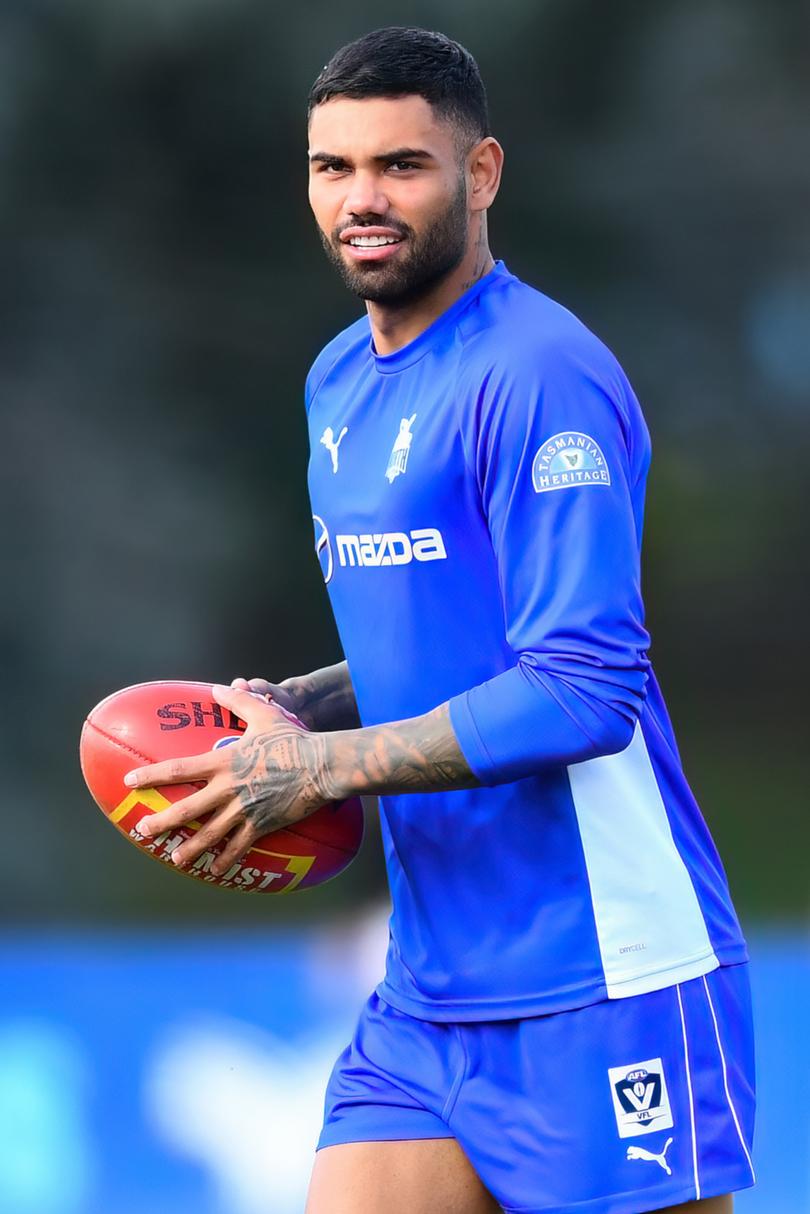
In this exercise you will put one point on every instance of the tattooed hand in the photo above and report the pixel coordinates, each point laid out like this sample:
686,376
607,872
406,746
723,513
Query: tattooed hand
278,773
264,781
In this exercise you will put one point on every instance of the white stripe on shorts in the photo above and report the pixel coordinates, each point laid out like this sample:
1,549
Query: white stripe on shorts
725,1082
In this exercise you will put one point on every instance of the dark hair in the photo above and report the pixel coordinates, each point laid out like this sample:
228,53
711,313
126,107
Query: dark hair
400,61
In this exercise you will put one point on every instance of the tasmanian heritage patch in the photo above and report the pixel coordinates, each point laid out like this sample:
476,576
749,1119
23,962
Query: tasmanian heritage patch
569,459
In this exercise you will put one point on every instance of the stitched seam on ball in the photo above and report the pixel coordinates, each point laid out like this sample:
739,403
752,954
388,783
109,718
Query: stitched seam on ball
121,745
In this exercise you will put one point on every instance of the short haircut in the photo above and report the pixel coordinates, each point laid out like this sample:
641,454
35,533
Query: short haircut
399,61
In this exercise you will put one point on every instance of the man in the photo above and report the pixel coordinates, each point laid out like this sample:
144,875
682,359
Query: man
564,1023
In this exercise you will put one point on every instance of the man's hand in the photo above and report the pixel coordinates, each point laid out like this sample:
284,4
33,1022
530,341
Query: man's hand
279,773
323,699
279,693
258,784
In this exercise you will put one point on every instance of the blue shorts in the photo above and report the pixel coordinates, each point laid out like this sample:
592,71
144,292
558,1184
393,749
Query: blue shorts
625,1106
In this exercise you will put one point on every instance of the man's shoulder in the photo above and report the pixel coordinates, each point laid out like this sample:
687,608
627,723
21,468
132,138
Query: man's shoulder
524,331
527,354
346,345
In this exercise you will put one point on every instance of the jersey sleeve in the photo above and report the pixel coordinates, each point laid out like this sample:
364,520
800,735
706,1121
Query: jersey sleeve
560,452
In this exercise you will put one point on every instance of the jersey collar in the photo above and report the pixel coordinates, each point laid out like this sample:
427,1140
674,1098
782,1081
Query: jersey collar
407,355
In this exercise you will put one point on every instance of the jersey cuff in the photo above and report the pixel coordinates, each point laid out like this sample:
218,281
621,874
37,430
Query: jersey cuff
469,739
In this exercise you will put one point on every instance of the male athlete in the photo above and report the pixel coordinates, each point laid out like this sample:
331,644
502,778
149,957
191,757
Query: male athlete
564,1022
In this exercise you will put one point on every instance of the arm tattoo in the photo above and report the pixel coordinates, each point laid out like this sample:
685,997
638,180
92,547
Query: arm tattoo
418,755
284,774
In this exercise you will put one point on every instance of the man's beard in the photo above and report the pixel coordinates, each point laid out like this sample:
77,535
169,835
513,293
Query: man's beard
415,271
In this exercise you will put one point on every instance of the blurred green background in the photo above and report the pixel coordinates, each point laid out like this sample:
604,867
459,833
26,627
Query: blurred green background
163,293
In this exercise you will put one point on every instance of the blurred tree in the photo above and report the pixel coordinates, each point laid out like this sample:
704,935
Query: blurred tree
162,297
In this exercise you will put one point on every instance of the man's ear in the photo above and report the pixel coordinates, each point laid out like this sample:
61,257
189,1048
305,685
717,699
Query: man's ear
484,165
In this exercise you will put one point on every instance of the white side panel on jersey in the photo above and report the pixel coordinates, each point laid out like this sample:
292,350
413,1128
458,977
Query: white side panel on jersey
649,924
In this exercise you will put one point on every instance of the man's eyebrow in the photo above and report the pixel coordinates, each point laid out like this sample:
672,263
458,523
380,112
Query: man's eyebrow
384,157
406,154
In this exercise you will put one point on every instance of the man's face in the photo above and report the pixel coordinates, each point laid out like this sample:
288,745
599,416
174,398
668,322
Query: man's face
388,191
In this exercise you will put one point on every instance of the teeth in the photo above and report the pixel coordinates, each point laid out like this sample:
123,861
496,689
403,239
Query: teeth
372,242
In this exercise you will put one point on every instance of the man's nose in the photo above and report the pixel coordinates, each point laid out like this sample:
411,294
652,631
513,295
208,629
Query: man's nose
365,195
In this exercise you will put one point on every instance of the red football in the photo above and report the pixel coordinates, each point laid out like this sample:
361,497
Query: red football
171,720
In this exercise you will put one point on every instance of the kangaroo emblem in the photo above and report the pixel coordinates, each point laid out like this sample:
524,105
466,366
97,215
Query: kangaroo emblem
640,1153
398,460
328,440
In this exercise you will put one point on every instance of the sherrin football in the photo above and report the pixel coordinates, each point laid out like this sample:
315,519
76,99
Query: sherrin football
151,722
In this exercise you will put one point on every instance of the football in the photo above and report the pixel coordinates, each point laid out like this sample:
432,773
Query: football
151,722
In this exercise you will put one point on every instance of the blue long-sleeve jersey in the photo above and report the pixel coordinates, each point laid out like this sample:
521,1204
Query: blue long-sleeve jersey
478,501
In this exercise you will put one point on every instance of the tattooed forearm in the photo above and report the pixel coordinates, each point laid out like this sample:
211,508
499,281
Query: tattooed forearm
325,698
278,773
418,755
284,773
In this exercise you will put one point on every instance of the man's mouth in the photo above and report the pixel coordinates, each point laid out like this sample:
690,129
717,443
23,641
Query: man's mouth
372,243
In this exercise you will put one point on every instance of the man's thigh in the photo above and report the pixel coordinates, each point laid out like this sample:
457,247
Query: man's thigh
420,1176
712,1205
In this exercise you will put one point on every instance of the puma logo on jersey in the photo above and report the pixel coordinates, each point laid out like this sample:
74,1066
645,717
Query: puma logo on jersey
640,1153
331,443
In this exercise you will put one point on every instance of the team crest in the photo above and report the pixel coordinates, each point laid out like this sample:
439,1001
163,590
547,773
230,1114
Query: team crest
569,459
398,460
640,1098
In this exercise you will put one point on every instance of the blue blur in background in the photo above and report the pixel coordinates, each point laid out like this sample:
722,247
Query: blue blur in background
171,1071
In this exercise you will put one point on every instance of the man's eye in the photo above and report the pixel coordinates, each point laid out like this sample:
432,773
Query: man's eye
334,166
402,166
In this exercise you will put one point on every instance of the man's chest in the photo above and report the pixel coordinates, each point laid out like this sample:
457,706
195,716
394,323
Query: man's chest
386,452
